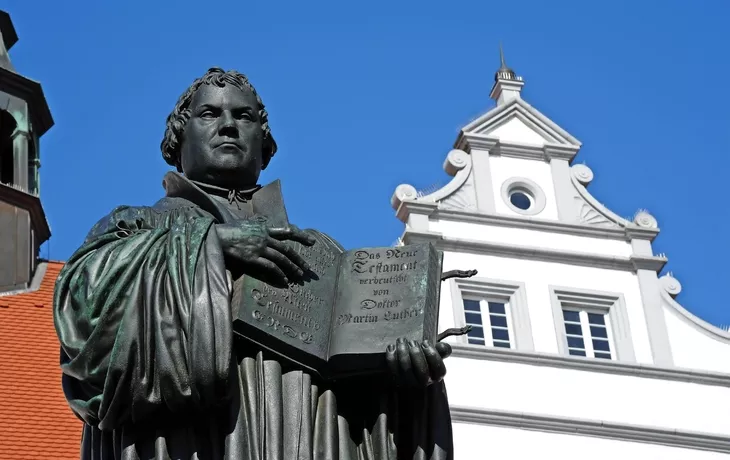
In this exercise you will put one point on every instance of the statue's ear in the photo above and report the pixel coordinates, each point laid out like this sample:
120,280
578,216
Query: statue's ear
268,150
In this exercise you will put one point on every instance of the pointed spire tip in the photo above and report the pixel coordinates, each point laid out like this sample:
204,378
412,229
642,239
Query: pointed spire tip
504,72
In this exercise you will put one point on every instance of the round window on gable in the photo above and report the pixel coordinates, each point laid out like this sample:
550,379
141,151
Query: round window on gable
523,196
520,199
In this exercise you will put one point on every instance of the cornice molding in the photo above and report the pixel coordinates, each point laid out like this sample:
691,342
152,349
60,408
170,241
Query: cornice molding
32,93
496,146
596,428
632,263
592,365
547,128
525,222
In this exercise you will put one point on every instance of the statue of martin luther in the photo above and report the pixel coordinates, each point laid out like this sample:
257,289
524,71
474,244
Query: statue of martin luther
143,314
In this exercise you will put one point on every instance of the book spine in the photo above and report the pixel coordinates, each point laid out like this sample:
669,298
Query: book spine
333,305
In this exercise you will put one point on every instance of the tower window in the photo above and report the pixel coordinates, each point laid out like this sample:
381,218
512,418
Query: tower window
7,127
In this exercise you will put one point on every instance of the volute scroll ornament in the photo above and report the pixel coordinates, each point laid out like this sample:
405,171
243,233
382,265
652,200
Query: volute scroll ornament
583,174
646,220
670,284
455,161
403,193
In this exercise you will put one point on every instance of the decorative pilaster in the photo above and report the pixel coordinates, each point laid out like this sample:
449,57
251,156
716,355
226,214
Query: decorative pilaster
34,176
34,165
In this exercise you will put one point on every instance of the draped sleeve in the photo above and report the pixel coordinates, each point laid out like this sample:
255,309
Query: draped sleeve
142,311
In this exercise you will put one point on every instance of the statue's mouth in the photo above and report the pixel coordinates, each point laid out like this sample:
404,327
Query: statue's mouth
230,144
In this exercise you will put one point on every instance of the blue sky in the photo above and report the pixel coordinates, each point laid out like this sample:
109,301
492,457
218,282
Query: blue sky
364,97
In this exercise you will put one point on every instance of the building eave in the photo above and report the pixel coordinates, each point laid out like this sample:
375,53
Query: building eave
31,92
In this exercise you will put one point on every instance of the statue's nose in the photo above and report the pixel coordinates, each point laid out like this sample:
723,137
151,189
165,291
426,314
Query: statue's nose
227,123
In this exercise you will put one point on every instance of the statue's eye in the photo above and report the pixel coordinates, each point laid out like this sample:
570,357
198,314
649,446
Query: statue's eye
244,116
207,114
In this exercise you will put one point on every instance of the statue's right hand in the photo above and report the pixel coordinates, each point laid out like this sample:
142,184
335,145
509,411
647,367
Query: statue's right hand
253,246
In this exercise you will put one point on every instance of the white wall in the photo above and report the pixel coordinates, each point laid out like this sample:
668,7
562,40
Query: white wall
504,168
694,348
475,442
546,390
531,238
538,277
516,131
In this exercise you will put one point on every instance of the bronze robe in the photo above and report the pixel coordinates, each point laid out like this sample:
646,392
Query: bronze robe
151,365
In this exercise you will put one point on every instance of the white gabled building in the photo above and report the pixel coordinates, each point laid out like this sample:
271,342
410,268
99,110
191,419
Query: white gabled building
578,348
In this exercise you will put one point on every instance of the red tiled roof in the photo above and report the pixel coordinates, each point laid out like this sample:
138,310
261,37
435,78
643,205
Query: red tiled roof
35,421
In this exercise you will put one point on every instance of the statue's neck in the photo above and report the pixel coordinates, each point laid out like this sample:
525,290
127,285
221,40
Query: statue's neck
227,205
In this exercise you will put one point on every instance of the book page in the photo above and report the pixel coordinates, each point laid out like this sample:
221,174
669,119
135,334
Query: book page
382,295
294,321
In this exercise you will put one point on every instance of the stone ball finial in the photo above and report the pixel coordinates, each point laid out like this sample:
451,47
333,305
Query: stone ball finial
644,219
402,193
670,284
582,173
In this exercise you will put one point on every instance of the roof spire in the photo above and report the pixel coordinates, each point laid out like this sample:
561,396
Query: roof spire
507,84
504,72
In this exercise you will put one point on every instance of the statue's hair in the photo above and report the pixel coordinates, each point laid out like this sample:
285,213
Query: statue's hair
180,115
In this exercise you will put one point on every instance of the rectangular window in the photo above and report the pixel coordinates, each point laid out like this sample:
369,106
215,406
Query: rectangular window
495,309
587,333
593,324
489,321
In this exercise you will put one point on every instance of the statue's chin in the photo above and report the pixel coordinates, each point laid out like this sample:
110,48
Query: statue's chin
227,176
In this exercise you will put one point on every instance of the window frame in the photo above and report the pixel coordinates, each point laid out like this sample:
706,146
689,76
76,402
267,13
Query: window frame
587,333
610,304
511,293
486,317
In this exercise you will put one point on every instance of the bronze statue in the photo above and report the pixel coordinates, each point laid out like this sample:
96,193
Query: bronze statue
144,316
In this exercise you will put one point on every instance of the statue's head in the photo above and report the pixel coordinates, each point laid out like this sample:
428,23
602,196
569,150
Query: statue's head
219,132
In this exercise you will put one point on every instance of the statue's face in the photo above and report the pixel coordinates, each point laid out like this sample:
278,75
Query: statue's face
222,141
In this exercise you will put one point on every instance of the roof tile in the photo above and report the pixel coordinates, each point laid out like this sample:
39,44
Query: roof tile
35,420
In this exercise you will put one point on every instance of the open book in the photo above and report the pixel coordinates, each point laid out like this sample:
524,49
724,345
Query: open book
341,318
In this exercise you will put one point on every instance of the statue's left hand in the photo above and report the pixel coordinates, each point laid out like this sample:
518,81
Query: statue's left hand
417,363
